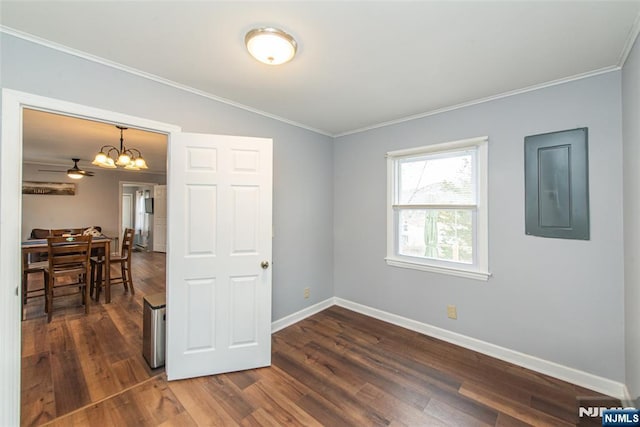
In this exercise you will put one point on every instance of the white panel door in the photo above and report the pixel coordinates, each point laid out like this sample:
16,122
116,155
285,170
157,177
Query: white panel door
219,290
160,218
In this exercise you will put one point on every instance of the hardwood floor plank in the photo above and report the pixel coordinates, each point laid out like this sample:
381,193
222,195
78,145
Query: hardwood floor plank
562,410
316,379
37,397
277,406
399,412
387,376
278,380
260,417
509,407
228,396
158,400
100,379
113,344
324,411
197,401
505,420
468,406
69,385
450,414
243,379
130,371
183,419
35,336
332,368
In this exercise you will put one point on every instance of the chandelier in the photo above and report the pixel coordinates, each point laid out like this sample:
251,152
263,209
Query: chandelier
111,157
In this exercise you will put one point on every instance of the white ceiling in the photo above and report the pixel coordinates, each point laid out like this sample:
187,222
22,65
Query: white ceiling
359,64
53,140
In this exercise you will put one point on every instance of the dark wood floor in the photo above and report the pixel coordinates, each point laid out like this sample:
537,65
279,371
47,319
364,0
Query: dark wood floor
76,359
336,368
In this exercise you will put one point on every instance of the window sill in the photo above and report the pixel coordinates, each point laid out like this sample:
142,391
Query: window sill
459,272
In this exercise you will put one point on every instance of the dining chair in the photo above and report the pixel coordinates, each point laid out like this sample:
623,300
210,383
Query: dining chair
68,267
124,260
32,268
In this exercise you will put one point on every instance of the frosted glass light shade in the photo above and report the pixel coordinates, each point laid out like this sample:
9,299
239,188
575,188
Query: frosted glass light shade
101,157
140,163
270,45
123,159
74,175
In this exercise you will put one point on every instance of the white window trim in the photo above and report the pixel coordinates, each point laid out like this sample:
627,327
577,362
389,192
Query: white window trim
478,271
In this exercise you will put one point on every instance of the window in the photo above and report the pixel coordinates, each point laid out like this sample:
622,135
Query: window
437,208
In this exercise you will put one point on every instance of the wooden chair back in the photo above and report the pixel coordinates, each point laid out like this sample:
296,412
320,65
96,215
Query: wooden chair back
69,257
69,254
127,243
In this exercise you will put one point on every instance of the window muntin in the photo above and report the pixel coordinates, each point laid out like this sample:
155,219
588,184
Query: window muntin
437,208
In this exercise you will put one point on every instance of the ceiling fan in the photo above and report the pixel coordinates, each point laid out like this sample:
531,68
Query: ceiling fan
75,172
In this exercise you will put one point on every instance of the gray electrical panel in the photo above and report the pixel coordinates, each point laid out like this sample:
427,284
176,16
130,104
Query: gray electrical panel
557,184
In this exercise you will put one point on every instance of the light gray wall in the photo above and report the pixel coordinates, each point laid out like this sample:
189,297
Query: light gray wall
560,300
303,160
631,136
95,202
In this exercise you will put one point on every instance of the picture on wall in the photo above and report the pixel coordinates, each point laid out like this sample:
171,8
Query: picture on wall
49,188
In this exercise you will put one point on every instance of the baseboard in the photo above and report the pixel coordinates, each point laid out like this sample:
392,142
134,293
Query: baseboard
565,373
302,314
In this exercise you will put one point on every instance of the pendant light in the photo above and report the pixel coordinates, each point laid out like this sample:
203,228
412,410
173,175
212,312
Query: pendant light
111,157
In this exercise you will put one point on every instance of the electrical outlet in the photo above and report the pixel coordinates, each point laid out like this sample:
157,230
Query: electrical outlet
307,292
452,312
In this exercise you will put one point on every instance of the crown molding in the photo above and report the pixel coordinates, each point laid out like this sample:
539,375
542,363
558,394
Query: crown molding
631,39
112,64
483,100
633,35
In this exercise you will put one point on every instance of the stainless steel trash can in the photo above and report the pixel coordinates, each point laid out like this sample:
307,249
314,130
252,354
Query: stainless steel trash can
153,329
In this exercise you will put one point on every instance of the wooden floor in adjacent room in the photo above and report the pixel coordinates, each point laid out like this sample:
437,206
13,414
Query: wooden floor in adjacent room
335,368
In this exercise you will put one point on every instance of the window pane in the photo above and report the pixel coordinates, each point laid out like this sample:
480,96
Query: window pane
438,179
442,234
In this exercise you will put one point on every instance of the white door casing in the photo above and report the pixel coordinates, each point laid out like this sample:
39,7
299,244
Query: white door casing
220,195
160,218
13,103
127,212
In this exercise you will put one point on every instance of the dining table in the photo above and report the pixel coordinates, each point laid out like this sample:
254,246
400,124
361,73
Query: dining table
97,242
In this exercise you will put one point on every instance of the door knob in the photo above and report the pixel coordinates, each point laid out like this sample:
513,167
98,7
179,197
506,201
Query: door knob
264,264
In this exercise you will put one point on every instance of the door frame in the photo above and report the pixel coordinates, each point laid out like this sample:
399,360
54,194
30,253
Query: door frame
13,103
131,209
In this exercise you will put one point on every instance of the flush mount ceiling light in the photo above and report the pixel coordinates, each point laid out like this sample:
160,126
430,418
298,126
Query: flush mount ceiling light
270,45
129,158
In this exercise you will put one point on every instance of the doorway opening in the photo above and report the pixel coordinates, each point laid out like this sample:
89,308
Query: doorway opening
141,211
16,107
